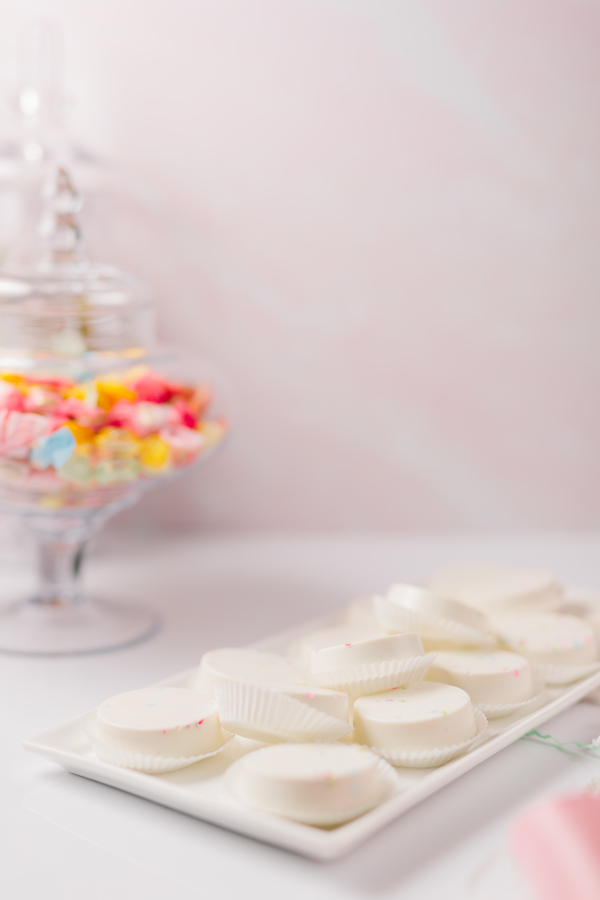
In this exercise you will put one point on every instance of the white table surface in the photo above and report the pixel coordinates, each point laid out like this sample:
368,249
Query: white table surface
66,838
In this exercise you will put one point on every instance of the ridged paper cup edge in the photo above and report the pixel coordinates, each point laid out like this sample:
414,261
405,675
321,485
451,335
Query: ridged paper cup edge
498,710
389,786
274,715
557,675
372,678
143,762
395,617
429,759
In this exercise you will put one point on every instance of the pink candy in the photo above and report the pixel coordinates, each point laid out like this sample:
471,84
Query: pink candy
39,400
182,438
89,416
54,382
10,397
152,388
20,430
185,443
186,416
142,418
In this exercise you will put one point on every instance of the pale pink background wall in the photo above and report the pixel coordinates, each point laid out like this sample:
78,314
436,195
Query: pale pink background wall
382,217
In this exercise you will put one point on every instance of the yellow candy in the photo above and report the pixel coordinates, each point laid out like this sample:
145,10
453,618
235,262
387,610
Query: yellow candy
78,392
18,380
84,391
81,434
110,392
154,452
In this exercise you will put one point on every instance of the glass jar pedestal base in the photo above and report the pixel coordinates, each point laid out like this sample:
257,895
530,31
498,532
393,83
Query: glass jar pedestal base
60,617
83,626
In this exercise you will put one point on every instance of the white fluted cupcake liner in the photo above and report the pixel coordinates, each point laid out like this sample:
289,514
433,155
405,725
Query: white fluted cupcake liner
265,714
426,759
557,675
497,710
371,678
394,617
143,762
319,818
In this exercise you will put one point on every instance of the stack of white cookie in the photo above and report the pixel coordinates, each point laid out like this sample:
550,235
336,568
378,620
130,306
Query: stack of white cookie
408,677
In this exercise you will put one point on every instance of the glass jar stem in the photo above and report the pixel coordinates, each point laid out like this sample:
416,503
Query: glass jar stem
61,618
60,550
58,567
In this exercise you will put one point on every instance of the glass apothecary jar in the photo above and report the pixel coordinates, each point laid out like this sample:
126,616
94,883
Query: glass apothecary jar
92,414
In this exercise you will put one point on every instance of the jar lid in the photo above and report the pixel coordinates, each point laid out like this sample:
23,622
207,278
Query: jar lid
56,304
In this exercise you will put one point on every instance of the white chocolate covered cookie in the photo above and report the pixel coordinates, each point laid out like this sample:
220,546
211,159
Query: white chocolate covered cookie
161,722
549,638
243,664
406,607
417,717
331,636
377,650
366,667
495,589
500,677
320,784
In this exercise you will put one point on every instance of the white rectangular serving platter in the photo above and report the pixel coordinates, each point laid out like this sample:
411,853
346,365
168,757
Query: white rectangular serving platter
200,791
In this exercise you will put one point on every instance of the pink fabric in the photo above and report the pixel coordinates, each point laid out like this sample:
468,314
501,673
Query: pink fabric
557,843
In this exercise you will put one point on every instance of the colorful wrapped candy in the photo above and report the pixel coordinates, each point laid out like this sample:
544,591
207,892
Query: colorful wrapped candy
59,436
19,431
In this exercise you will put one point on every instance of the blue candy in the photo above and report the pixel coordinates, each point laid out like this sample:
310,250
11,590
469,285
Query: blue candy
55,449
